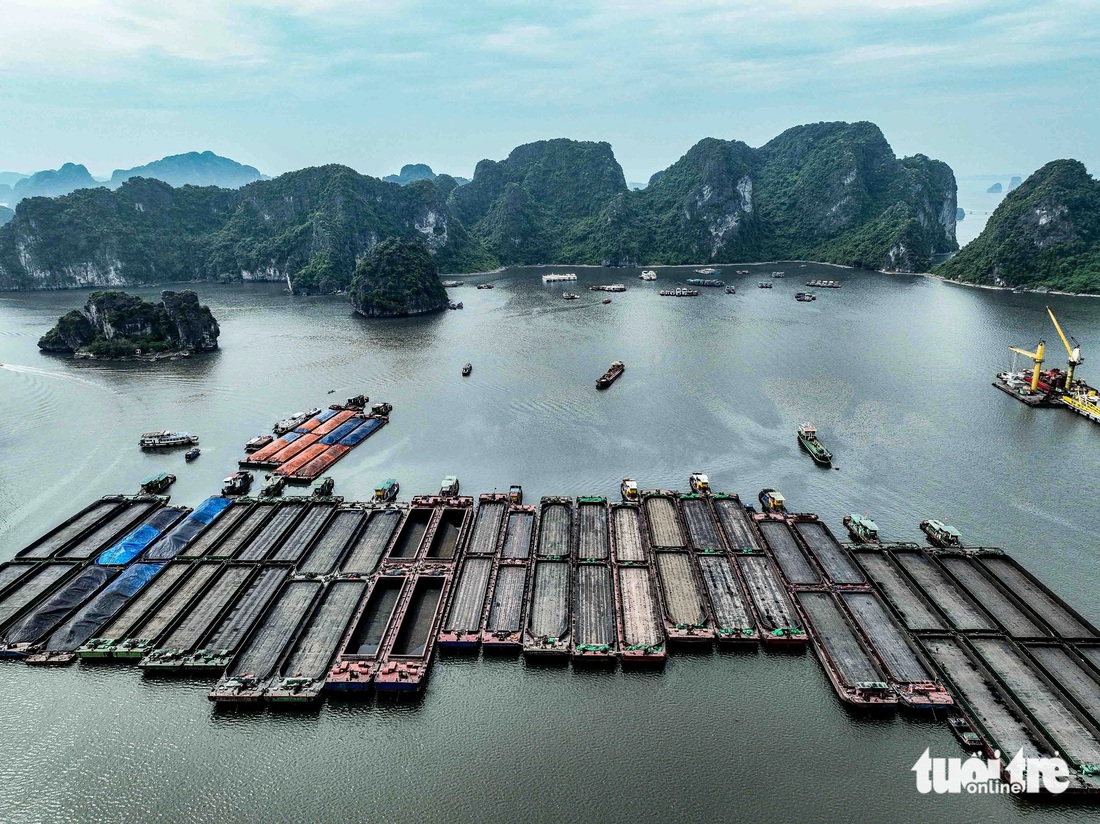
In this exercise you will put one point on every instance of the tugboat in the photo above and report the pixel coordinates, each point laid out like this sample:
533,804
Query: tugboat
386,491
258,443
699,483
294,421
358,402
569,296
605,301
449,487
629,489
324,488
965,733
805,297
807,436
381,409
771,500
274,486
237,484
467,369
515,494
191,454
765,284
862,529
940,534
485,286
157,483
731,290
167,439
611,375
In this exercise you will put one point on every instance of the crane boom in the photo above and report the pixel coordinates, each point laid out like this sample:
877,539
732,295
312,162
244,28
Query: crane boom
1073,351
1036,356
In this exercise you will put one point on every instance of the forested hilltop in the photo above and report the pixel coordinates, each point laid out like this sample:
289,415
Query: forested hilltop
1045,234
828,191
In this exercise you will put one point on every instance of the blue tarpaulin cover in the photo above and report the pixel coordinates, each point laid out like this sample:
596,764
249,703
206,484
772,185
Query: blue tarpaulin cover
210,509
339,432
133,544
86,621
320,417
364,431
291,437
172,543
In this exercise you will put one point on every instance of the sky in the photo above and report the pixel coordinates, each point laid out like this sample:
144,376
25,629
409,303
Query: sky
989,86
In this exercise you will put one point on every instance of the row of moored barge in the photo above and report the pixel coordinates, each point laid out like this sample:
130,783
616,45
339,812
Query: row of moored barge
289,599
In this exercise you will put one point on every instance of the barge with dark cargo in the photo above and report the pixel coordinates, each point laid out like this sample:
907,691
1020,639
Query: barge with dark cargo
506,606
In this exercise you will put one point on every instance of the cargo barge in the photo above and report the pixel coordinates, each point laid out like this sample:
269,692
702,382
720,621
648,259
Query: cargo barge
733,619
641,629
685,613
555,528
592,537
135,642
31,588
736,523
916,611
323,557
176,540
613,373
408,657
959,608
260,543
246,675
595,613
368,547
627,535
63,535
665,531
776,618
701,526
111,529
362,648
910,677
785,548
314,523
507,603
1011,616
485,537
825,549
40,618
852,670
463,622
549,617
184,631
301,674
60,646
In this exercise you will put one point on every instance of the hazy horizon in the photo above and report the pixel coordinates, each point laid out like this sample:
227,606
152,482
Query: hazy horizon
112,84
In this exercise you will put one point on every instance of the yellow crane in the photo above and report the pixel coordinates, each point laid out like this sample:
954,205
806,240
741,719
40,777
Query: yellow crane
1036,356
1073,351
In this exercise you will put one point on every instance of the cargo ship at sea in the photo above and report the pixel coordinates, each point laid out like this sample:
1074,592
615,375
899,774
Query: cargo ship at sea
706,282
807,438
558,278
613,373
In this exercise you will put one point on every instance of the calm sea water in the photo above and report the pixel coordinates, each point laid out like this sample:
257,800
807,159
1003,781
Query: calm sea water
894,371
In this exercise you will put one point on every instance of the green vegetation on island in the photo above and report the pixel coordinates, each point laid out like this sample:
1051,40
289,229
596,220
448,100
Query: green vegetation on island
1044,234
397,278
116,325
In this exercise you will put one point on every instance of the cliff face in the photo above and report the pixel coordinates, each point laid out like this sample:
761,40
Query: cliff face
115,324
1045,234
395,279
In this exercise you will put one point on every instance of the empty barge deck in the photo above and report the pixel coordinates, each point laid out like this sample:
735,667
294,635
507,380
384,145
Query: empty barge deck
595,636
362,649
555,528
733,620
664,522
775,614
630,545
829,554
686,617
642,633
793,563
408,659
592,538
462,624
736,523
549,613
701,526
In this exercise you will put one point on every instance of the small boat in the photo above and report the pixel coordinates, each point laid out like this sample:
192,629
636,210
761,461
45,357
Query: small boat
294,421
453,305
710,270
705,282
940,534
764,284
742,271
467,369
778,275
648,274
324,488
358,402
274,486
381,409
192,454
807,436
965,733
805,297
237,484
553,278
386,491
611,375
449,487
699,483
605,301
772,500
679,293
608,287
485,286
629,489
515,494
731,290
258,443
157,483
166,439
569,296
451,283
861,528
